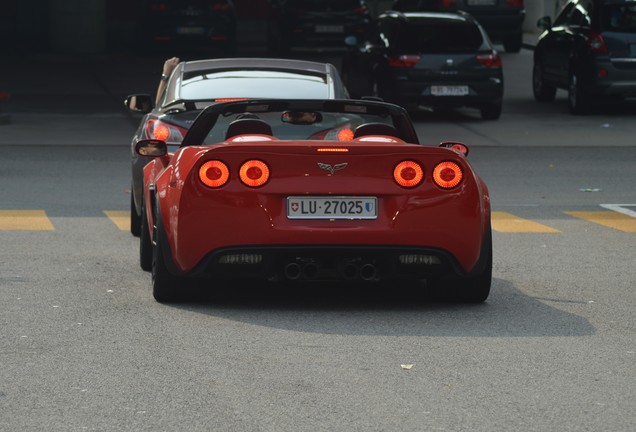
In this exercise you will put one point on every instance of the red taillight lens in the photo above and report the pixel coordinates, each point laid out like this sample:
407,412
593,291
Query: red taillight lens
254,173
597,44
447,175
214,173
171,134
345,135
449,4
491,60
408,174
515,3
332,150
159,6
219,7
362,10
404,60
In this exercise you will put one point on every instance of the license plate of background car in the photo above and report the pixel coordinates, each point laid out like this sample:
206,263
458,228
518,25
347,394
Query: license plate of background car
332,207
190,30
481,2
449,90
329,29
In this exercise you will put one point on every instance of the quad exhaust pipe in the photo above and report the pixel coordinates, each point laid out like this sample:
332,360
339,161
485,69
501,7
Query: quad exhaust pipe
296,270
353,269
310,269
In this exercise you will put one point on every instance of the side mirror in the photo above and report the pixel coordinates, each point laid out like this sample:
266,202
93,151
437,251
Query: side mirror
140,103
544,23
151,148
460,148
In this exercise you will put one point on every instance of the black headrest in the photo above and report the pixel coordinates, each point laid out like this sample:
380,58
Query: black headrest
247,126
375,129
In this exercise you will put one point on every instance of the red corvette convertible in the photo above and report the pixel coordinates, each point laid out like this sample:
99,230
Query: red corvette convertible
300,190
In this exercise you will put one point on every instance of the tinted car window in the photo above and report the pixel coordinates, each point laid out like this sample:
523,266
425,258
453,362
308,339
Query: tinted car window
254,84
621,18
439,37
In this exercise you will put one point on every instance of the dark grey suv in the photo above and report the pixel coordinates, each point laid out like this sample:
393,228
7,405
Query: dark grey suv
589,50
424,60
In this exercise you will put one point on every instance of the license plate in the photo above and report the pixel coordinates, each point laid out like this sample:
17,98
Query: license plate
190,30
332,207
481,2
329,29
449,90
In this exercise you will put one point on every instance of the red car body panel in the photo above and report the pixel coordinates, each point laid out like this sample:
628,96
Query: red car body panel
199,220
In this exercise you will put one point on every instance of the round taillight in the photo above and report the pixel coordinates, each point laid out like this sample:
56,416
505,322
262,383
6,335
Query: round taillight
161,132
254,173
214,173
345,135
447,175
408,174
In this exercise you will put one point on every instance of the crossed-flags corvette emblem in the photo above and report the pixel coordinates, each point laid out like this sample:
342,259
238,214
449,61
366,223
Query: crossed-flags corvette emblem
332,168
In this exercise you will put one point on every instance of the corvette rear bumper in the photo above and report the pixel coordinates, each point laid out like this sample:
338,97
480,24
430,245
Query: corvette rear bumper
328,262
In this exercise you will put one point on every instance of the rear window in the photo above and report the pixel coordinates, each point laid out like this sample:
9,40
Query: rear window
620,18
439,37
254,84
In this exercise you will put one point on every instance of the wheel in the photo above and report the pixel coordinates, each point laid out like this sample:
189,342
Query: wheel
512,44
145,244
491,111
476,288
471,289
165,286
135,219
542,91
578,99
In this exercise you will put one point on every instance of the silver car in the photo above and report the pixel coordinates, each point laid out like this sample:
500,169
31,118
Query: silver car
195,85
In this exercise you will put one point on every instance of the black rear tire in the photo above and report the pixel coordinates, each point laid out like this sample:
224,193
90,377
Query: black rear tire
145,244
135,219
470,289
543,92
165,285
476,288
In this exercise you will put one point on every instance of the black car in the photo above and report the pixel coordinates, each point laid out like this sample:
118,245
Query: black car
190,25
315,23
590,50
502,19
195,85
427,60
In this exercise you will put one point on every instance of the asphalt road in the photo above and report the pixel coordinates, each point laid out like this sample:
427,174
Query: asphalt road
84,347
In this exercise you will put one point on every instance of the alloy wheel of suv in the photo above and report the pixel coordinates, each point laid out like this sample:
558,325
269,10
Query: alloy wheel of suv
577,98
542,92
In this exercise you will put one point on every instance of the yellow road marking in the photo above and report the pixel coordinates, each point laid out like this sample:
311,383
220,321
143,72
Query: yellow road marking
612,219
507,222
121,218
25,220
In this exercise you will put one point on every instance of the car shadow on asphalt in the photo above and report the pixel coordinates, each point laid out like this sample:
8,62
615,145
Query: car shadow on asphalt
405,310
